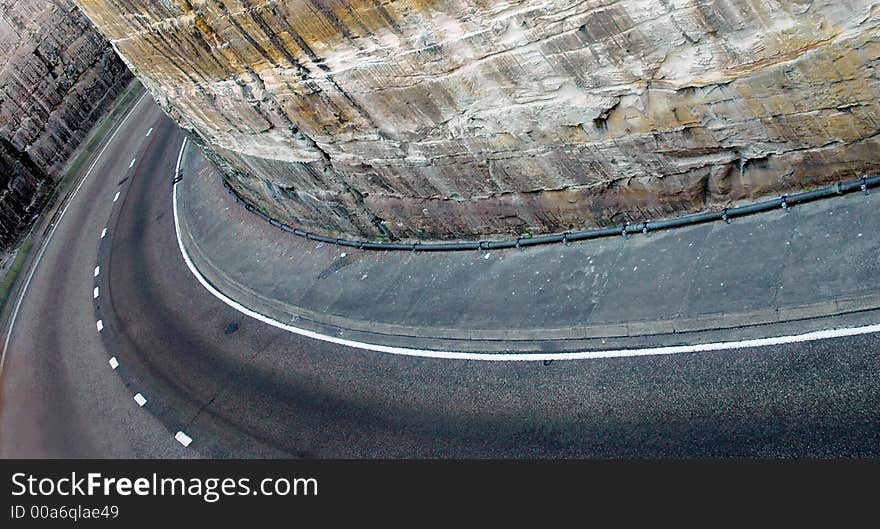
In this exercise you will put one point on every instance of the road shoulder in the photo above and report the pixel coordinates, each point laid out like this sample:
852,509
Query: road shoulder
809,268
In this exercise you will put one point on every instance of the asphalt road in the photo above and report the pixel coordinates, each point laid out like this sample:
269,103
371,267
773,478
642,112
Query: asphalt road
240,388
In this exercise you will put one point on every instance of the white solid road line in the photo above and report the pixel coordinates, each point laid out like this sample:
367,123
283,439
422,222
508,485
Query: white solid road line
132,163
114,363
504,357
95,293
97,270
183,439
100,325
140,399
116,196
103,233
149,132
27,282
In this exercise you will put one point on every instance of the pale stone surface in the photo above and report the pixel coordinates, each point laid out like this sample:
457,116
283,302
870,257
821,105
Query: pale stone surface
57,76
470,118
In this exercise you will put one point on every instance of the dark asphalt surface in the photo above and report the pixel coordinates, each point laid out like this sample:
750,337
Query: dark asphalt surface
240,388
58,396
803,264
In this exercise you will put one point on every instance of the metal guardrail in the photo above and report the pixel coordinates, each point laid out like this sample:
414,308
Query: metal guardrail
785,201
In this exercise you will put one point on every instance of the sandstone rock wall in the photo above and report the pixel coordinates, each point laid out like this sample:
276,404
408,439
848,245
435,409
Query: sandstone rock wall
57,76
467,118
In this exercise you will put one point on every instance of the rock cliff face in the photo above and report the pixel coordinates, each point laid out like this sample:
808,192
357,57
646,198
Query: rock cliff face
57,75
467,118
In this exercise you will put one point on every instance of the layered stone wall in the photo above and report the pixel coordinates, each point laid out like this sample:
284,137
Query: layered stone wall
442,119
57,76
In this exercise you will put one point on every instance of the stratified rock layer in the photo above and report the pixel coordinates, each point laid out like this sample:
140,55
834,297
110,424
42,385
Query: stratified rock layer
57,75
466,118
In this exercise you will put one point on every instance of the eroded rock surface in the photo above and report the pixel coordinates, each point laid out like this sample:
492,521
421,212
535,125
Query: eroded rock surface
57,76
467,118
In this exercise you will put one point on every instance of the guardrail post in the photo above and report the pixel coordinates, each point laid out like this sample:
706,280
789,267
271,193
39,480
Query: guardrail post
647,226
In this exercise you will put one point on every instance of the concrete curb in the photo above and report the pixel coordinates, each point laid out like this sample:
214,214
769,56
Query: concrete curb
512,338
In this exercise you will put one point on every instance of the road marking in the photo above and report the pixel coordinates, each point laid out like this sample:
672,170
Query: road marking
100,325
183,439
97,270
103,233
39,258
95,293
116,196
114,363
132,163
140,399
503,357
149,132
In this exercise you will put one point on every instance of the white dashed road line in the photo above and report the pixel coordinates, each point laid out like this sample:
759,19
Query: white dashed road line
149,132
183,439
97,270
103,233
116,196
95,293
100,325
114,363
39,258
140,399
132,163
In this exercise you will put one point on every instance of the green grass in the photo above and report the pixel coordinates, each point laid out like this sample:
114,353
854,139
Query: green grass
121,107
15,270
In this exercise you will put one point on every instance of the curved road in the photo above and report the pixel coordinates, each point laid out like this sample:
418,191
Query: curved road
240,388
